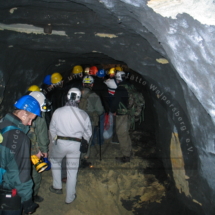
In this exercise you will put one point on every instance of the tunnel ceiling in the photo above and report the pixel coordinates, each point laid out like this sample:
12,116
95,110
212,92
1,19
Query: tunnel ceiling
170,43
120,29
82,33
76,29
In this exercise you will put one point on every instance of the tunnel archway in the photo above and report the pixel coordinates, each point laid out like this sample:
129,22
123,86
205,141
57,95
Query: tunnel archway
181,85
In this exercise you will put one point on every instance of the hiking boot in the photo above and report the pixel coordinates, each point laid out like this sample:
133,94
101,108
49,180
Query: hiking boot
123,159
72,201
38,198
84,163
57,191
115,142
64,180
115,139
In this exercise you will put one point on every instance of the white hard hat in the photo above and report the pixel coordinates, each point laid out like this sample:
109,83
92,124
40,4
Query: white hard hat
88,79
74,94
120,76
44,103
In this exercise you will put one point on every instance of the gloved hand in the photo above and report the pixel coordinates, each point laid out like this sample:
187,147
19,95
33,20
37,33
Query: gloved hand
29,206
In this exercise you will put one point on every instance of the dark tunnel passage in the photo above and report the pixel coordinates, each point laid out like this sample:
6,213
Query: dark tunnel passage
144,141
169,59
149,128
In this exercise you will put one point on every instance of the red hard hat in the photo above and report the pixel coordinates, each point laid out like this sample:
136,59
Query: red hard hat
93,70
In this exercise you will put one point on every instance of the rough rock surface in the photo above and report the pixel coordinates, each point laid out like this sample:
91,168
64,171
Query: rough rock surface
92,32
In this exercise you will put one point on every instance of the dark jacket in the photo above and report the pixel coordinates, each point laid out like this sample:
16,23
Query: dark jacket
15,157
121,95
111,85
101,89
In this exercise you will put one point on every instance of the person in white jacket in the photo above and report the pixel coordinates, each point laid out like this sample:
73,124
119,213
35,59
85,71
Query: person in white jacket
68,125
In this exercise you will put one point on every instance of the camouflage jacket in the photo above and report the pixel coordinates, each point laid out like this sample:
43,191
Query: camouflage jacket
38,135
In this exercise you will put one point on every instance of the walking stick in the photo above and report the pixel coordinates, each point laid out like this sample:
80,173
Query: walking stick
100,144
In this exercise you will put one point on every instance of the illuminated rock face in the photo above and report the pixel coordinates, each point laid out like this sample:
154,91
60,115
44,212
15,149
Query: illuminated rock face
201,10
172,50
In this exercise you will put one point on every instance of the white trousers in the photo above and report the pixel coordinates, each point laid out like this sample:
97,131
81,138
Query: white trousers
70,149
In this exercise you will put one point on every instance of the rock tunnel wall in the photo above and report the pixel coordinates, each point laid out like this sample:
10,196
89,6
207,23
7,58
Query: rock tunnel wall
91,32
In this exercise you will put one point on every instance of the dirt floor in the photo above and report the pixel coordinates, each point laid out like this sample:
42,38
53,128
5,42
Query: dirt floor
119,189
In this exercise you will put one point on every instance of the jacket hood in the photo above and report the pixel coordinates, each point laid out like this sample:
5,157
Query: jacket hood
14,119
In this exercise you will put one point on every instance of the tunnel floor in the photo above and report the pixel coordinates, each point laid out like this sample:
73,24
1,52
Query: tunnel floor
138,187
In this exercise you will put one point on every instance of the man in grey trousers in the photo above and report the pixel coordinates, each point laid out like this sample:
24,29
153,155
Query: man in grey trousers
68,125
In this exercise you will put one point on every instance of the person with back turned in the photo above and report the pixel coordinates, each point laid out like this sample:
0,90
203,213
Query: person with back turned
91,103
68,126
121,97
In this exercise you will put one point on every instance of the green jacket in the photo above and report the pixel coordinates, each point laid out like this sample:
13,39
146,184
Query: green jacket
91,103
15,157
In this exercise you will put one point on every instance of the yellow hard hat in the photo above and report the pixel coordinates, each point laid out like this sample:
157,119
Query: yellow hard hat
34,88
112,71
119,68
56,77
77,69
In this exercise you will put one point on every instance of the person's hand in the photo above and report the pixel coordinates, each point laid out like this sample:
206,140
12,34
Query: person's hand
114,114
39,154
45,154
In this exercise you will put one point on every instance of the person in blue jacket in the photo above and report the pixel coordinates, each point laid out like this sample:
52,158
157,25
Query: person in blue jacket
15,158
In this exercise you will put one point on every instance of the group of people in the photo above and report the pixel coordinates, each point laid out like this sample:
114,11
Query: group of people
103,91
73,109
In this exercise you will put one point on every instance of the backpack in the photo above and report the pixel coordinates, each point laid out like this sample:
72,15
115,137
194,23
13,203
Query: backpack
83,104
136,105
